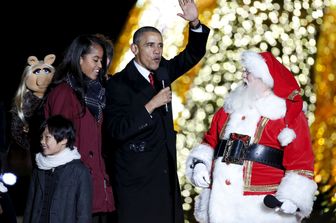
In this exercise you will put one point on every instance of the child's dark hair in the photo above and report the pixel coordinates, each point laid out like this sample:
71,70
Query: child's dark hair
61,128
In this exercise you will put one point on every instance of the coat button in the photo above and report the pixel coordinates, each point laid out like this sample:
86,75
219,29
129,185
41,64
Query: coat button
142,146
91,154
132,147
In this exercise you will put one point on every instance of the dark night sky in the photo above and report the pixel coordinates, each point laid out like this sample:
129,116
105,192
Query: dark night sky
32,30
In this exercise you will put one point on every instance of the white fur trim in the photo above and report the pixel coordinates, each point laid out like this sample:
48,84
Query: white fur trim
298,189
201,152
201,211
271,106
286,136
228,204
257,66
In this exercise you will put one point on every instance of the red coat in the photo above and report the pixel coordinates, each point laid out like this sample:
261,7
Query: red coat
259,178
62,100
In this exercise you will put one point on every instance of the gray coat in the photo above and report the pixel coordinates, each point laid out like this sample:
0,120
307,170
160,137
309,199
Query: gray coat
72,198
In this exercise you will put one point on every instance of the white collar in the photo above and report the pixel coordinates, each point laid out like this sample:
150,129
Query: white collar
143,71
271,106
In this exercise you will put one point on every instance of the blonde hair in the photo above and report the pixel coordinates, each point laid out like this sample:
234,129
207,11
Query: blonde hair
23,90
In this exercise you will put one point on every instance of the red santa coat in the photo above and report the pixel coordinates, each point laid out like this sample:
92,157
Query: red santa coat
237,191
260,178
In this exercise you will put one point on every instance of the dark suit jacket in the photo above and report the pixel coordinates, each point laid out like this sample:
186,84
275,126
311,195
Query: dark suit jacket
147,187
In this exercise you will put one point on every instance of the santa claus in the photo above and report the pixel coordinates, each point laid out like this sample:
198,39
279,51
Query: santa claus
258,144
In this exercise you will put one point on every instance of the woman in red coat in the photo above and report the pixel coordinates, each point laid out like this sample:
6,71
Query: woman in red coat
77,94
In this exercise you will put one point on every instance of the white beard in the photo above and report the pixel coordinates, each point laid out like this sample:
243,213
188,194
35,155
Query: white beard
246,105
244,97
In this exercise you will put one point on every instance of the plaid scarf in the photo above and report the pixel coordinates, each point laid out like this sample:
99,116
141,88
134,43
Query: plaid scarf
94,96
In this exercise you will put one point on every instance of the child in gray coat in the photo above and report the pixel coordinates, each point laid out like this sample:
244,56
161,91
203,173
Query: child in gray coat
60,189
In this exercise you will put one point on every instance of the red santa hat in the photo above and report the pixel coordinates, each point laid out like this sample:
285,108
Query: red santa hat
265,66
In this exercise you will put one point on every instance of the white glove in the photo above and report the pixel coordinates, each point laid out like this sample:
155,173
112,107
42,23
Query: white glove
288,207
201,177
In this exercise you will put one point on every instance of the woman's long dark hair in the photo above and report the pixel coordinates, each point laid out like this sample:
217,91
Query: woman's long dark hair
70,65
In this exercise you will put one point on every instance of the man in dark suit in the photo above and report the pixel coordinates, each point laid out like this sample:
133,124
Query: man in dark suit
139,124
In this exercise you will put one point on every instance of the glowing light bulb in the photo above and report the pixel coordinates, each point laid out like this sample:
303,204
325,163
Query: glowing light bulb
8,178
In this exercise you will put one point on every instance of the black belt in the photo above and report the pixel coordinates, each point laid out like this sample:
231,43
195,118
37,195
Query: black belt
234,151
